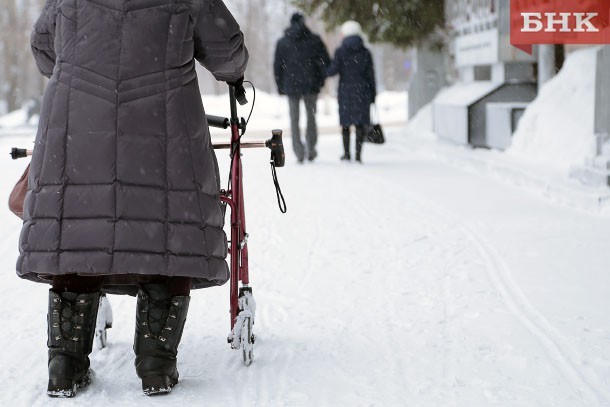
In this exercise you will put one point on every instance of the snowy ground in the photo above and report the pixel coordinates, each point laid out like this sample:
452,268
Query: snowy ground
403,281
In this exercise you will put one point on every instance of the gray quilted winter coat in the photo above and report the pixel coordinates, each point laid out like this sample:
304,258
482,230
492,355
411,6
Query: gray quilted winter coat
124,181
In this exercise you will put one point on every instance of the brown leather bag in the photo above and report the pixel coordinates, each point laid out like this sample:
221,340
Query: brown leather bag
17,196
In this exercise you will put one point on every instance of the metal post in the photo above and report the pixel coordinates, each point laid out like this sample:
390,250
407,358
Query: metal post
546,64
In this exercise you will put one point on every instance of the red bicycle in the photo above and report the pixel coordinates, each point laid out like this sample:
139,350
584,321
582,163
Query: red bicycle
241,301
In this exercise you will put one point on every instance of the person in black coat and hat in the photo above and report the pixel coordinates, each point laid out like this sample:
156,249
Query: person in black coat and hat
357,89
300,66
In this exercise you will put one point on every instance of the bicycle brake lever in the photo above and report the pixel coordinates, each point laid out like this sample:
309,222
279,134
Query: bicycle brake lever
276,146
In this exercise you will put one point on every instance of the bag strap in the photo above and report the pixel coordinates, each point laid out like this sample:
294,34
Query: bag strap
376,118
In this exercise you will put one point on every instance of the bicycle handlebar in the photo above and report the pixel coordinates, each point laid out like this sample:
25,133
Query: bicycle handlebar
20,153
217,121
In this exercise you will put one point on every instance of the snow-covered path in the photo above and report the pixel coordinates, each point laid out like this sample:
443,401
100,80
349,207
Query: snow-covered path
403,281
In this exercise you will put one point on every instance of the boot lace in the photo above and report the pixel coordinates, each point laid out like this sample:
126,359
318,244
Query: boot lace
159,314
70,318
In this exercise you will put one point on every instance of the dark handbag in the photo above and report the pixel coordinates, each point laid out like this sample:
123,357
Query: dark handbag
374,133
17,196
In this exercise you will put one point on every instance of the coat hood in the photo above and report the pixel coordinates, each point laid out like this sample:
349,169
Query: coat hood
353,43
298,31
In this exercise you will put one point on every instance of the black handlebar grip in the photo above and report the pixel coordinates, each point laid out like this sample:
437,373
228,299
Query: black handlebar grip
276,146
217,121
18,153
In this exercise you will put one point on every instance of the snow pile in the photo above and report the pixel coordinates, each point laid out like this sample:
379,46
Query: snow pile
557,128
392,107
421,125
465,93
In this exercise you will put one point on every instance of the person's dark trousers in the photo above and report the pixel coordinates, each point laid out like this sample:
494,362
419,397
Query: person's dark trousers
345,134
311,132
360,130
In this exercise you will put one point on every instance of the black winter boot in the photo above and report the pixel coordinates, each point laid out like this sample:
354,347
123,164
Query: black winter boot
71,327
359,141
345,134
159,324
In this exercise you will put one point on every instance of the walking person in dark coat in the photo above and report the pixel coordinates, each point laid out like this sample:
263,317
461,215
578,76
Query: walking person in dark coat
357,89
300,65
124,186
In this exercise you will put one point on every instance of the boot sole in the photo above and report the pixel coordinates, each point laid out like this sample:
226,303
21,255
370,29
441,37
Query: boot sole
65,388
156,385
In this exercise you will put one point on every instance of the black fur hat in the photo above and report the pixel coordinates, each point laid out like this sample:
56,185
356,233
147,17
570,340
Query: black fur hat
297,18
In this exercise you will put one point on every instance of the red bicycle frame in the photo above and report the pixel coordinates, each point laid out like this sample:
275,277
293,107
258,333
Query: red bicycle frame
234,197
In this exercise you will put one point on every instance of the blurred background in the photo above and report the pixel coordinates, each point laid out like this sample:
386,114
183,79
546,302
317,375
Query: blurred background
263,23
446,63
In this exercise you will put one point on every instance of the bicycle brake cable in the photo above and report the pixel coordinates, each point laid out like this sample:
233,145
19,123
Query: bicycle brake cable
247,121
253,101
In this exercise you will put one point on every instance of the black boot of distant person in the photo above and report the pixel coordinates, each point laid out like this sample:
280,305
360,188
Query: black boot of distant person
359,140
345,133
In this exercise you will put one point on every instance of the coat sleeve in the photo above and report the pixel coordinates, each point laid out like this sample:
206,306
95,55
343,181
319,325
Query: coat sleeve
333,68
42,39
219,42
279,65
323,53
323,61
370,72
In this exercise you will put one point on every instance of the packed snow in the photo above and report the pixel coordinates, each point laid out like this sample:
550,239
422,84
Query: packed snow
404,281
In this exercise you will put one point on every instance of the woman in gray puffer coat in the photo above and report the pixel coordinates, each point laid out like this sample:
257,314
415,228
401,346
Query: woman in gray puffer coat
124,184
